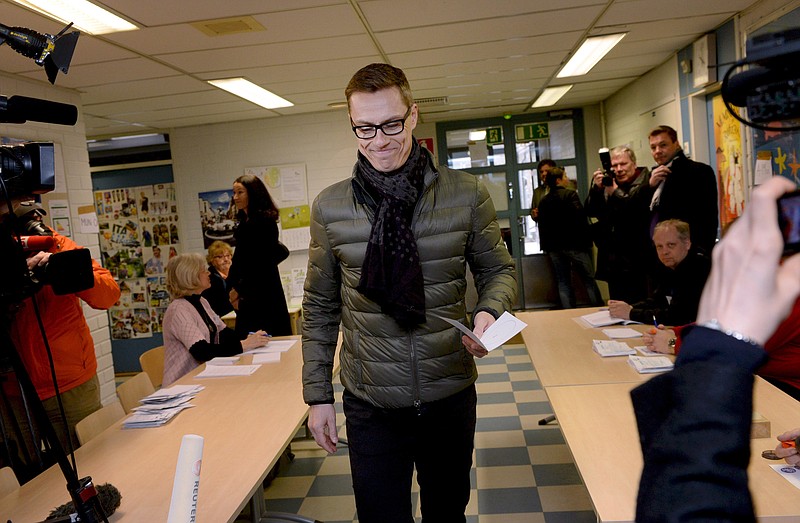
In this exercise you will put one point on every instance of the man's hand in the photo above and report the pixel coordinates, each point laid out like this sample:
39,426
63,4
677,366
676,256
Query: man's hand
749,290
483,320
322,424
658,339
597,178
39,259
619,309
790,454
658,175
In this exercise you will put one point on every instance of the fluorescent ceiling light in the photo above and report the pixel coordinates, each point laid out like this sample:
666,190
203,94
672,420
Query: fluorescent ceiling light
477,136
551,95
590,52
251,92
86,16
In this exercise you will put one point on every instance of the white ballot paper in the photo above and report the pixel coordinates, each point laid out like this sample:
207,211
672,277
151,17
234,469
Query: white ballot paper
497,334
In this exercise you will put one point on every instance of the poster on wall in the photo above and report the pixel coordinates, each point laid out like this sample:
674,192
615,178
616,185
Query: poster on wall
217,216
730,175
138,234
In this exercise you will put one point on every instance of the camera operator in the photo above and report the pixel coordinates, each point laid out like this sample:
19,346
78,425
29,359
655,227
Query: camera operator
67,334
621,232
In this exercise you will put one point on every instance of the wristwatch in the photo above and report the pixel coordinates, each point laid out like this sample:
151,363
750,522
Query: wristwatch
671,344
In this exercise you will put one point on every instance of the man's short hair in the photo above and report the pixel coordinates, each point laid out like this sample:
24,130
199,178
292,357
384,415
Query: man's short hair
183,274
553,176
661,129
680,226
375,77
545,163
624,149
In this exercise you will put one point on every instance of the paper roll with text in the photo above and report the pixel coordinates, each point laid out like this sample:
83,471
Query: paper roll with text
185,488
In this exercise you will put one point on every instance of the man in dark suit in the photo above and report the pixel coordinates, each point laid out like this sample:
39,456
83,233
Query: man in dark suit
684,189
565,237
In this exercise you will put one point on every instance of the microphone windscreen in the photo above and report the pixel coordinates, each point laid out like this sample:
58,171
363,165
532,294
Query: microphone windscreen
107,494
22,108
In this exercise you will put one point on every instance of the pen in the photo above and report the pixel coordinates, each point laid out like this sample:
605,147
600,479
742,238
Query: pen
655,322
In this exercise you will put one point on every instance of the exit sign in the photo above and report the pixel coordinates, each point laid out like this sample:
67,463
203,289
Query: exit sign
533,131
494,135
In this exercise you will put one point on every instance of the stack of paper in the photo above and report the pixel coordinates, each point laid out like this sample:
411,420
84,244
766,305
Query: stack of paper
622,332
224,371
650,364
607,348
161,406
603,318
273,346
223,360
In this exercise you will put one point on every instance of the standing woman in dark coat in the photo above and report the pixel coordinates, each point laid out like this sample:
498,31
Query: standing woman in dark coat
255,283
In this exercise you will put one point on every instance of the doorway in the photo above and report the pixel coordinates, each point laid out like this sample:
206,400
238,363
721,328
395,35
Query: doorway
503,153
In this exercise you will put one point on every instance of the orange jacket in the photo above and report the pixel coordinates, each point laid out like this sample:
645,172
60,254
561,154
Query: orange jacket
67,332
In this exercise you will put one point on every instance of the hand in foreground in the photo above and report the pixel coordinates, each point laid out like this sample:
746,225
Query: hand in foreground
749,291
255,340
322,424
658,339
619,309
39,259
790,454
483,320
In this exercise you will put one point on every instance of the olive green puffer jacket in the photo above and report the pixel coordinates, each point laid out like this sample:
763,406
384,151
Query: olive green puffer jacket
454,224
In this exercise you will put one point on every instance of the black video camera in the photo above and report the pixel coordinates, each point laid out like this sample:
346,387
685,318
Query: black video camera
608,172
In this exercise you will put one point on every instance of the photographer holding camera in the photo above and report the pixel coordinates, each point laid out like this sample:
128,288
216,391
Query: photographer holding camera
65,330
618,203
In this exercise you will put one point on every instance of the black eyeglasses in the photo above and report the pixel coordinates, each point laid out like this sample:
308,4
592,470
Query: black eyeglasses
391,128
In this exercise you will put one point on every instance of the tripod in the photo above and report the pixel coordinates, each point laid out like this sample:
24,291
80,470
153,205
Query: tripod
82,491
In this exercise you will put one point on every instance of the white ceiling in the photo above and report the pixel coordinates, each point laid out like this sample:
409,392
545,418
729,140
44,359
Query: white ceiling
487,57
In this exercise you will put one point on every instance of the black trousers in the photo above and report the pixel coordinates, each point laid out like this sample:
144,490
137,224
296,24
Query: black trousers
386,444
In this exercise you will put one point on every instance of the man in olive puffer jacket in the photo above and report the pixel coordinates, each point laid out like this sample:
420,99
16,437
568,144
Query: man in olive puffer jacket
388,254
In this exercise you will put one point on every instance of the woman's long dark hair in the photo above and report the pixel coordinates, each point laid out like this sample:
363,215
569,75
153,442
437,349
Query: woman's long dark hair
259,202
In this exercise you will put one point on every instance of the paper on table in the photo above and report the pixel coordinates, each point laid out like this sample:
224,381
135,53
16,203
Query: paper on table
622,332
602,318
220,371
498,333
789,473
274,346
269,357
223,360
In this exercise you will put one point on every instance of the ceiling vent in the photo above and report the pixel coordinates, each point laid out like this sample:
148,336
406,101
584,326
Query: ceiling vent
229,26
431,100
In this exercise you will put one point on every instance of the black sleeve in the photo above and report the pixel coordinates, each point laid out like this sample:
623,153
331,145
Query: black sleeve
229,345
694,428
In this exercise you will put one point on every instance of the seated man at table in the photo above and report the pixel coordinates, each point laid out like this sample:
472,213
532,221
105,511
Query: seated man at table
679,283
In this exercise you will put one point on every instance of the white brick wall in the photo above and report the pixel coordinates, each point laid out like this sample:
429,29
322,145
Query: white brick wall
74,177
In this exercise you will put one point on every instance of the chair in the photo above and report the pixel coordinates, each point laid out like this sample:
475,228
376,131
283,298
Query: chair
152,362
132,390
8,482
98,421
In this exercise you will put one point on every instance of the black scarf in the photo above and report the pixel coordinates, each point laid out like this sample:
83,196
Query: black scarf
392,275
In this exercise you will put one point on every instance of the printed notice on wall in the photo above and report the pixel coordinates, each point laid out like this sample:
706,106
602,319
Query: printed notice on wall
763,167
88,220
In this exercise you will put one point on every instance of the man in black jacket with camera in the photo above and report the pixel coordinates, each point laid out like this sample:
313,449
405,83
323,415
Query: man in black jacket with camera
620,229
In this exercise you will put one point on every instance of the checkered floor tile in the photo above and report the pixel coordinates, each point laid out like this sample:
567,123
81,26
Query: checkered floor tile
522,471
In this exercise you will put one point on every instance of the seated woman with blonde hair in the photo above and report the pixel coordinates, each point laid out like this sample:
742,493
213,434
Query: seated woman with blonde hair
193,332
219,263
